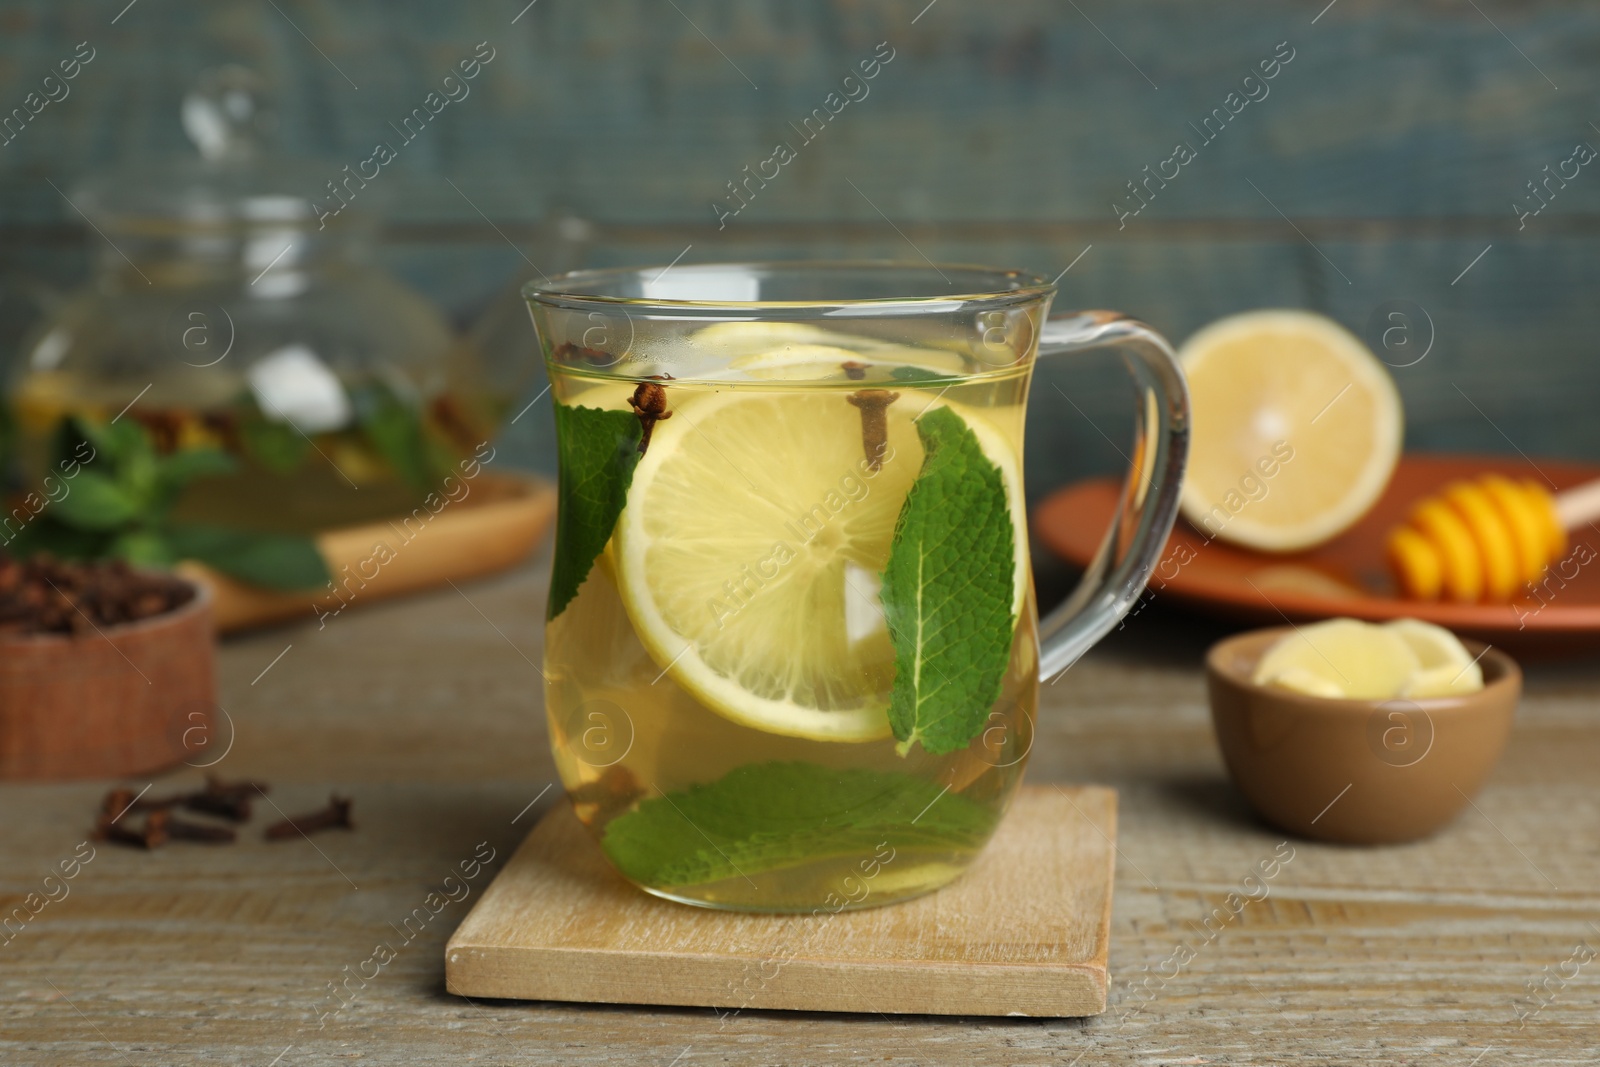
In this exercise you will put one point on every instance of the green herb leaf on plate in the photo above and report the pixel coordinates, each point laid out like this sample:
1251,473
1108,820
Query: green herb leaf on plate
394,428
275,561
768,816
142,548
277,446
948,590
111,441
97,502
598,451
174,472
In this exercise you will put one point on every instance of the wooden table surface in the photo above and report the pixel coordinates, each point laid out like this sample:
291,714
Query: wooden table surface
427,712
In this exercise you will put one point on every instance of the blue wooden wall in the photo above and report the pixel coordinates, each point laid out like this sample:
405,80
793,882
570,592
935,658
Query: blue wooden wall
1385,157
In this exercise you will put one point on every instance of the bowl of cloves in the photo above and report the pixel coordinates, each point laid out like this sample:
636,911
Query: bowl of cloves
105,669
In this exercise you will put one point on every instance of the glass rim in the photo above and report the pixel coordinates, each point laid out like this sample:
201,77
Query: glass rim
1011,287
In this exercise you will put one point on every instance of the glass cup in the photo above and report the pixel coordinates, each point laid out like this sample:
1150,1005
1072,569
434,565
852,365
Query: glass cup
792,654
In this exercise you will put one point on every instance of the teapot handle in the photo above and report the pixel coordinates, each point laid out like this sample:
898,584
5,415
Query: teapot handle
1149,501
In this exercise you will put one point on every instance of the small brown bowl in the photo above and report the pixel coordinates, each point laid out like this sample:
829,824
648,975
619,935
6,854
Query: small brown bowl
1361,772
130,698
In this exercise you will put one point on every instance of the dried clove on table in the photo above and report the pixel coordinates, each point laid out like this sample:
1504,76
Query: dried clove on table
335,816
154,834
164,822
228,800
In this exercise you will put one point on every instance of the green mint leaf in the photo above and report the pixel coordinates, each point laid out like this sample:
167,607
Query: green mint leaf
142,548
598,451
277,446
768,816
947,591
184,466
96,502
276,561
918,375
48,534
111,441
174,473
394,428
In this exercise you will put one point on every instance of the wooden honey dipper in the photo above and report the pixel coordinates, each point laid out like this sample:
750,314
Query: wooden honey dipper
1478,539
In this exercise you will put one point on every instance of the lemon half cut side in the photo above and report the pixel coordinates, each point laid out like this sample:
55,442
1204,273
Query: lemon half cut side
1297,428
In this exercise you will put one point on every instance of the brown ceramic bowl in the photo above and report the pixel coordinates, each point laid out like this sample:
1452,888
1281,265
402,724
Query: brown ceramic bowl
131,698
1360,772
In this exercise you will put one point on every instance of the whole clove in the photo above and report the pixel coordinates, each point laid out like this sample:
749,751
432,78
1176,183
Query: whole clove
649,402
874,405
117,803
153,835
227,800
181,830
335,816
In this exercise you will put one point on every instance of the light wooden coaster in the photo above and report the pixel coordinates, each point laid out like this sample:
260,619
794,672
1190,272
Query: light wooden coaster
1023,932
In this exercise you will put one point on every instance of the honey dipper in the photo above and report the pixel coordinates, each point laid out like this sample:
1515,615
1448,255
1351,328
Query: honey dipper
1478,539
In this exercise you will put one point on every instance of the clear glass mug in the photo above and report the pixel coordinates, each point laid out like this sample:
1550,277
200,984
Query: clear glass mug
792,654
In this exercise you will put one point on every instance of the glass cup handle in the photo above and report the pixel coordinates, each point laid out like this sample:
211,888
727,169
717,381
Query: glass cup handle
1149,501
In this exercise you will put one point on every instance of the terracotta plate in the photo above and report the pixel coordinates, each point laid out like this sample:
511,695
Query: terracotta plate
1347,576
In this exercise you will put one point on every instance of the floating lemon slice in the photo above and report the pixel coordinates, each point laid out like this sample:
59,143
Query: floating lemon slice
1297,429
796,361
797,350
749,554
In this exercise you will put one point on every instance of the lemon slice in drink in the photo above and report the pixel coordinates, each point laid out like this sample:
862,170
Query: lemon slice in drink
1297,429
797,350
749,553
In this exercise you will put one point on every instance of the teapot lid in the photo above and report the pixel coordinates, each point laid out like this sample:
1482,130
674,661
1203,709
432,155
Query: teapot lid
232,181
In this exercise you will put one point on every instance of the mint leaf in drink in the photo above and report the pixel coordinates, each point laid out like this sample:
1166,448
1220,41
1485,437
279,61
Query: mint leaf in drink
947,590
768,816
598,451
918,375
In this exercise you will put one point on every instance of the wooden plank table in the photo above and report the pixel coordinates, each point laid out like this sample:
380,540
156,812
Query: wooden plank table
427,711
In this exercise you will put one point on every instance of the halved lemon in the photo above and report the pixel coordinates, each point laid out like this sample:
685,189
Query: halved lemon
750,549
1297,429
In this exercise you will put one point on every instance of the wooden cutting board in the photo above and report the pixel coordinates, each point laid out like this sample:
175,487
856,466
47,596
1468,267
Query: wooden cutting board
1023,932
494,528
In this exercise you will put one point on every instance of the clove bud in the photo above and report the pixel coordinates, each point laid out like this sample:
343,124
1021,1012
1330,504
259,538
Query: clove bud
874,405
335,816
649,402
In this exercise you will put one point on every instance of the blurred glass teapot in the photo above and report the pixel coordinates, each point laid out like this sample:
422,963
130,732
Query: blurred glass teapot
231,314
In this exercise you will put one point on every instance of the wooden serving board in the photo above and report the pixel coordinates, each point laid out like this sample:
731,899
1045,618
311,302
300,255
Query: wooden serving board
493,528
1023,932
